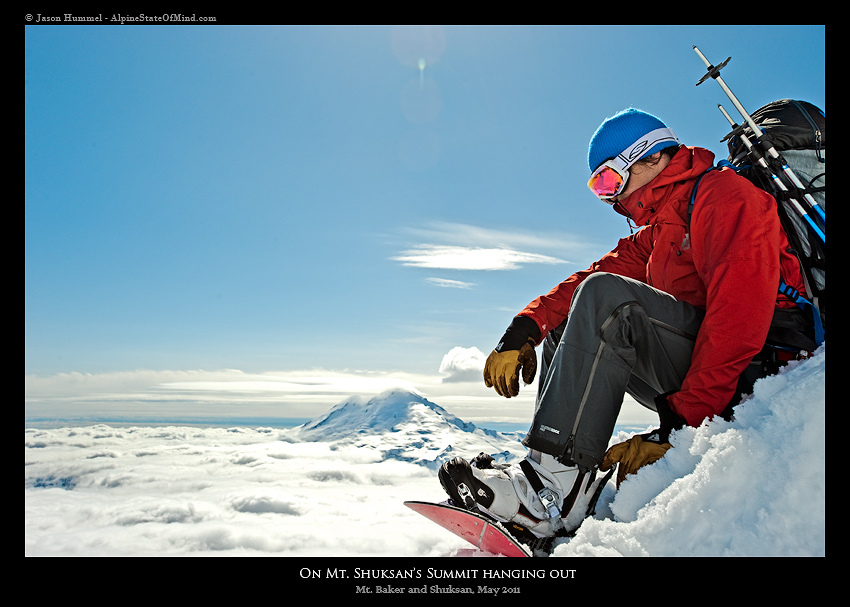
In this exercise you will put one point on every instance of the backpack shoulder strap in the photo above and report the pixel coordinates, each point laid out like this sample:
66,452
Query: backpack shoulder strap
719,165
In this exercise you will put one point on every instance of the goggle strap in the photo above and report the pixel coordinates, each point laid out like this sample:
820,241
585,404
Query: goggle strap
634,152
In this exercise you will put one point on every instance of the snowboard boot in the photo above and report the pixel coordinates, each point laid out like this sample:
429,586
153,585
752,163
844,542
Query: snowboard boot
540,494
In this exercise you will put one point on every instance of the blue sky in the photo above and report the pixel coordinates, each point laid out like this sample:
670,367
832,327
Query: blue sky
219,215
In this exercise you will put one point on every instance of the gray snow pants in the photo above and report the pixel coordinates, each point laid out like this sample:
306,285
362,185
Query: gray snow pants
621,336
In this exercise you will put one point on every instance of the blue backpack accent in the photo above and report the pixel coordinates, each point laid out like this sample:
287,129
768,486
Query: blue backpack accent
805,304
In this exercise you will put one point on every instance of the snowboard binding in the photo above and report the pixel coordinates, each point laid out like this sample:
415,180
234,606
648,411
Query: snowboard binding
467,491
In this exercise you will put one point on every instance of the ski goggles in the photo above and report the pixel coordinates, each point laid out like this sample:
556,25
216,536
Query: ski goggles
609,180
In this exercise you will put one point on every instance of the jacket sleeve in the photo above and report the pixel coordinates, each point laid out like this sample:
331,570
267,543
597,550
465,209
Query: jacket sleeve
735,236
629,258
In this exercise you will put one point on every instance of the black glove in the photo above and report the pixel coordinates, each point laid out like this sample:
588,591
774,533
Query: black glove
521,331
667,418
485,461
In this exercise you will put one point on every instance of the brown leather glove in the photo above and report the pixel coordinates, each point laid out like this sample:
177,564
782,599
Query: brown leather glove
644,449
514,352
502,369
632,455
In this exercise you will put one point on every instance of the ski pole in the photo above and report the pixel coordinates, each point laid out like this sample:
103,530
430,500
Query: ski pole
714,72
809,198
759,158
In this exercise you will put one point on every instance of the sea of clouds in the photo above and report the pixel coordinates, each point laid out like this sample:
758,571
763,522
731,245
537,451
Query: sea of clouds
335,487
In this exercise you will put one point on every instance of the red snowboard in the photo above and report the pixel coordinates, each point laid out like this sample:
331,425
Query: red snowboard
479,531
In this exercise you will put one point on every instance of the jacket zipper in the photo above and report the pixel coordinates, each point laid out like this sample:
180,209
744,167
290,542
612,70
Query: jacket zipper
664,286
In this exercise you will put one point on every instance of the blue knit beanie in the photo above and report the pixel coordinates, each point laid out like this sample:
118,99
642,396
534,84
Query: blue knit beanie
619,132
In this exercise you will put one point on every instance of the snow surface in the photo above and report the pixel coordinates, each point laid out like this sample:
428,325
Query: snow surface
335,486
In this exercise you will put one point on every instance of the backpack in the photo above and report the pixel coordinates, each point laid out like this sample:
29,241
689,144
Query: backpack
796,131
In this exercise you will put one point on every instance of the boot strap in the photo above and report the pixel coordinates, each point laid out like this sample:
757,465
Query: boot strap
546,495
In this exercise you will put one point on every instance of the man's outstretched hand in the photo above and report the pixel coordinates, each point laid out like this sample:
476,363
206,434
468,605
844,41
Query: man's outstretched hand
502,369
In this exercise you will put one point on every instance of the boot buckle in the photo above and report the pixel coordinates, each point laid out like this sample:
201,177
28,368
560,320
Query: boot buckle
466,495
550,502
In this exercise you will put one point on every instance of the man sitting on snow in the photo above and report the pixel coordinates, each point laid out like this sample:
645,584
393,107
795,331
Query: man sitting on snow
677,315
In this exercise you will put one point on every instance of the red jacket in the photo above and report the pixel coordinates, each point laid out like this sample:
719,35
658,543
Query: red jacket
729,266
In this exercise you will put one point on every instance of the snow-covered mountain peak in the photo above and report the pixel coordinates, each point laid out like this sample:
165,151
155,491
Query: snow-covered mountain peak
407,426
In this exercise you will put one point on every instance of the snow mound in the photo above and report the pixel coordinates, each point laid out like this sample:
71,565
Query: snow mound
407,427
755,486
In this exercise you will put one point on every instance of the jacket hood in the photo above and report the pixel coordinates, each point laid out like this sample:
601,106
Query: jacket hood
686,165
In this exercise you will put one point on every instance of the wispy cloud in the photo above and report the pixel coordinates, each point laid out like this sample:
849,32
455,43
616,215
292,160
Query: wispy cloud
457,246
470,258
451,284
